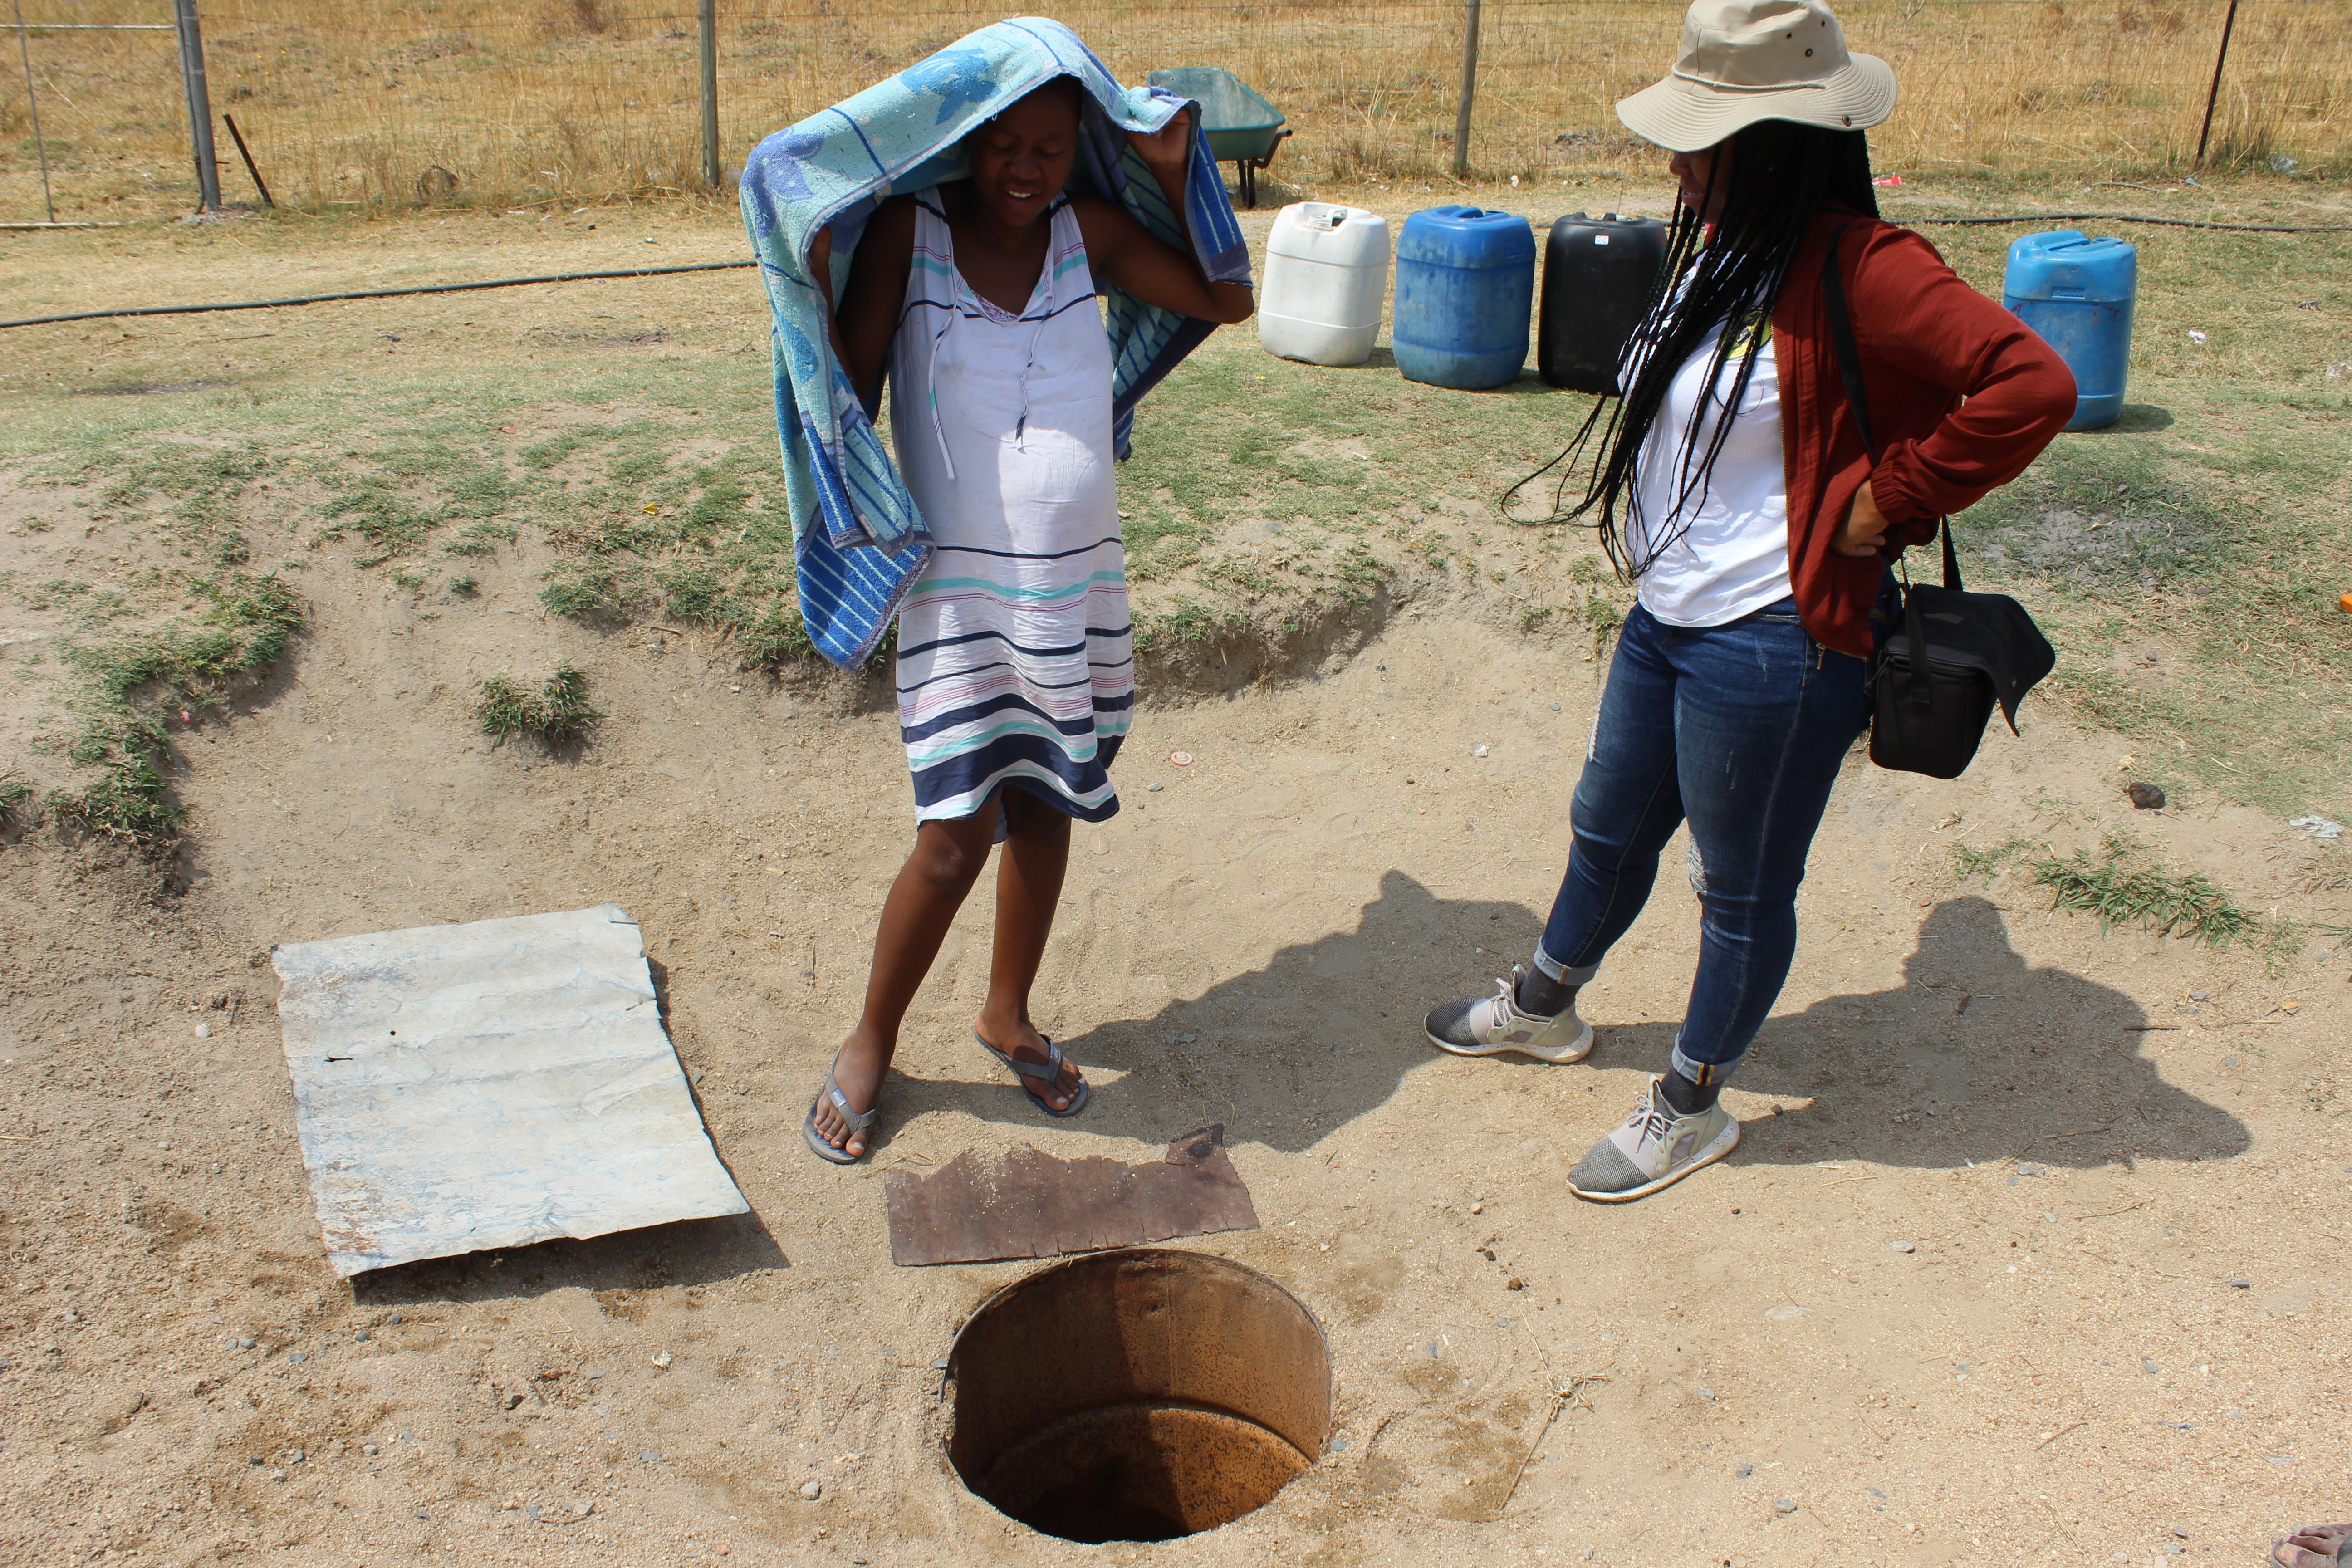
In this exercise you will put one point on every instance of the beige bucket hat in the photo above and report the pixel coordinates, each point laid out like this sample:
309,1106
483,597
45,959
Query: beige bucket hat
1746,61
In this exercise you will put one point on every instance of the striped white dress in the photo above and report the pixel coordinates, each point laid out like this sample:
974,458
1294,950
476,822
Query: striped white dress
1016,663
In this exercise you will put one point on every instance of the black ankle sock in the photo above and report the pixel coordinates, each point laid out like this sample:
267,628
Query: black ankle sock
1540,996
1686,1098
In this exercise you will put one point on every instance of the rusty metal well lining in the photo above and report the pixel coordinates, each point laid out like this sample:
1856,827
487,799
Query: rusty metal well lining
1138,1394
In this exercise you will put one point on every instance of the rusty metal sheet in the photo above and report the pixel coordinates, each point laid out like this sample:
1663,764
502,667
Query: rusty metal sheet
464,1087
981,1207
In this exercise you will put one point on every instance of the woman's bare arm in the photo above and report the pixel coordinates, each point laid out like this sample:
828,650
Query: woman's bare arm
1122,252
867,316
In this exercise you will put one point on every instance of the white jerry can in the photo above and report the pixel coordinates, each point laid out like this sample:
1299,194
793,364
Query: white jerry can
1326,276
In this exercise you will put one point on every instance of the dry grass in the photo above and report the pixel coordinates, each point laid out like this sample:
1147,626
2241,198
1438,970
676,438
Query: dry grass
559,100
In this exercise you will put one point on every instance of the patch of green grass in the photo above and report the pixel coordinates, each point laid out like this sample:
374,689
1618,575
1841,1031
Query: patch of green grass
722,504
693,594
775,639
15,794
1186,621
555,448
1243,572
202,483
689,539
581,591
1160,545
391,524
558,715
396,496
1984,865
128,803
247,628
481,539
2120,886
2094,515
462,585
1357,570
637,466
126,687
2123,885
263,609
1603,617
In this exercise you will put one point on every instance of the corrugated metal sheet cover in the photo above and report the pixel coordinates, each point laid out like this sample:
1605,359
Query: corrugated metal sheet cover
464,1087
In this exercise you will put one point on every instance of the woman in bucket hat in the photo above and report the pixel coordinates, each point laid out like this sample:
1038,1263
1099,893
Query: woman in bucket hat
1732,484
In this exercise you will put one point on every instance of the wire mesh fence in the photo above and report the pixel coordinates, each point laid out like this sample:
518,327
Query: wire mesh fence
371,103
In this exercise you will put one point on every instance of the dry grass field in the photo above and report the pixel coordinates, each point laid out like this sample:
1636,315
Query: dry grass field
560,101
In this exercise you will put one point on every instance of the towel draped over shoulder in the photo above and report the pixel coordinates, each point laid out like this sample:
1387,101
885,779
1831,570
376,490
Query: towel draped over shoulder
859,539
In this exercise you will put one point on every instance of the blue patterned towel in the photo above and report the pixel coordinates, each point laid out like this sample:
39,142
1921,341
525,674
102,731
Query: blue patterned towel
859,539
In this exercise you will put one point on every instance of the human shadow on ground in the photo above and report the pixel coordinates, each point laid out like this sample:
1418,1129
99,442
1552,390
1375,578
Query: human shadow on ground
1281,1054
1977,1056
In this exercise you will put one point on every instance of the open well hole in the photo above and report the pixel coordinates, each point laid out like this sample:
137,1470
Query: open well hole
1138,1395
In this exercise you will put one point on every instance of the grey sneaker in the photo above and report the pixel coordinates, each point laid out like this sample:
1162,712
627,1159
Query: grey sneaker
1654,1147
1490,1025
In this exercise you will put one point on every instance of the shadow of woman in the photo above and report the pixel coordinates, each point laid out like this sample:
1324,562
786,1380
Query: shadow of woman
1978,1055
1323,1033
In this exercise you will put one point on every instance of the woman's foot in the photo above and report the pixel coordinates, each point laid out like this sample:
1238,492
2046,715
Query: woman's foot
1655,1148
1019,1039
857,1072
1490,1025
2318,1546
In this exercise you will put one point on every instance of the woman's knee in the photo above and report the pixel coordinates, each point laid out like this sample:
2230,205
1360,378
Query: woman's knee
949,856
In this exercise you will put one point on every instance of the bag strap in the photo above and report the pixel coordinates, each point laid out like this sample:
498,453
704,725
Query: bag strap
1858,397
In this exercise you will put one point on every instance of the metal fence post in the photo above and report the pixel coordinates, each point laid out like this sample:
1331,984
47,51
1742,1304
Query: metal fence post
1469,90
200,103
40,149
2213,95
709,18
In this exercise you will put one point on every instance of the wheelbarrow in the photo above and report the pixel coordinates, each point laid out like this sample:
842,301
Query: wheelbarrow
1243,129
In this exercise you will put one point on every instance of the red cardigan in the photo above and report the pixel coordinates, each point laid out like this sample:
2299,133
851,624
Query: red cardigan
1963,395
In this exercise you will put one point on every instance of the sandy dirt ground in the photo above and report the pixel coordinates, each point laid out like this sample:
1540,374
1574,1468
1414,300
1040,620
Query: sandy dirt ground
2030,1251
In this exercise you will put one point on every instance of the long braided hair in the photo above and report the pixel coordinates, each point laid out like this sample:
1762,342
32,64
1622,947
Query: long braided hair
1780,174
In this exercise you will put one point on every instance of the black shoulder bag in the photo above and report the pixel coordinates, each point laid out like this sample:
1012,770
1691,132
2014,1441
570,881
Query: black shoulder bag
1953,653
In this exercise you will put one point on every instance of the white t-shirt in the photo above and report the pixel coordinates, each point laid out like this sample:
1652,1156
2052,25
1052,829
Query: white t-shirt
1733,558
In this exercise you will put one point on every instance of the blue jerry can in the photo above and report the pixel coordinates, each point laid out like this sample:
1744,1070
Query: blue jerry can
2077,294
1466,284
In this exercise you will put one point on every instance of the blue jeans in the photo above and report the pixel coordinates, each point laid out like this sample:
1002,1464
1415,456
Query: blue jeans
1740,730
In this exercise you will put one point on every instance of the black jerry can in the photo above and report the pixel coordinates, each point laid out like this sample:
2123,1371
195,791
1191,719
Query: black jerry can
1596,278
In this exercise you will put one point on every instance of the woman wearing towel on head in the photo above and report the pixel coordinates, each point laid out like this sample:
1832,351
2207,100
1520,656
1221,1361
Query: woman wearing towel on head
1758,540
1015,672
